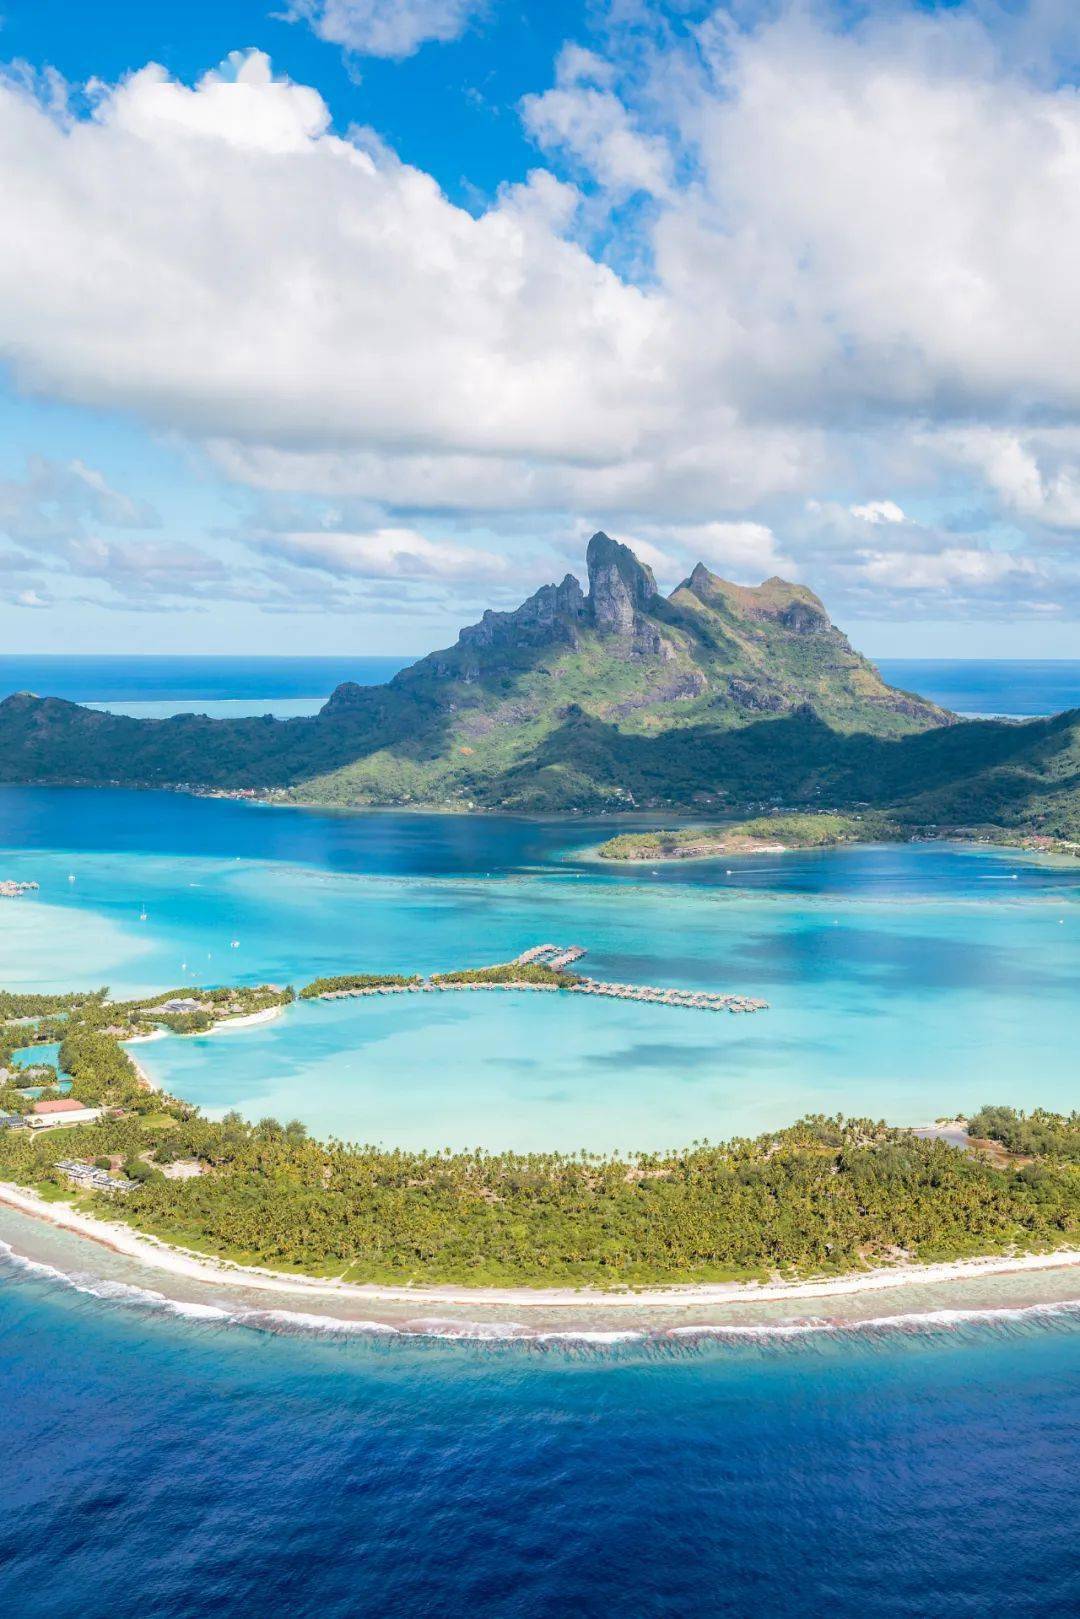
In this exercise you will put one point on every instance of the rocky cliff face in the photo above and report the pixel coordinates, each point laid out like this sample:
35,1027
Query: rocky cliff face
547,617
622,593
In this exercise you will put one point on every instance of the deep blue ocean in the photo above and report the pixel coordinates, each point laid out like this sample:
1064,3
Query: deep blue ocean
163,1463
1019,687
157,1466
101,678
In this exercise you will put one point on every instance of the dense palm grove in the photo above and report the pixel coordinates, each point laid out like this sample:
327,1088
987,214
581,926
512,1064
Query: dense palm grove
826,1194
1037,1134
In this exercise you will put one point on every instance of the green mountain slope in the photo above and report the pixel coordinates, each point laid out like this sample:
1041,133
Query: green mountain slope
617,696
712,655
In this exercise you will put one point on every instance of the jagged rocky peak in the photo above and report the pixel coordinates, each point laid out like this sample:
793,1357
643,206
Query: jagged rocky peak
621,592
549,614
793,607
620,587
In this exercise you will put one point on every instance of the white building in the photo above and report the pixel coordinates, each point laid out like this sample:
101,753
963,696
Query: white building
65,1110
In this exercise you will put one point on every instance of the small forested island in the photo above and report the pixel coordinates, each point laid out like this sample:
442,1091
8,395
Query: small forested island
764,834
824,1197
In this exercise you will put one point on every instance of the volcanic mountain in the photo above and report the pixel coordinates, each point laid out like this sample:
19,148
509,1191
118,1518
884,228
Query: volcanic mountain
614,696
710,652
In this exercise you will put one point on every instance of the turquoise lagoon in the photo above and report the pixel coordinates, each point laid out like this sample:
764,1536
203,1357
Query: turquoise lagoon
924,1463
905,982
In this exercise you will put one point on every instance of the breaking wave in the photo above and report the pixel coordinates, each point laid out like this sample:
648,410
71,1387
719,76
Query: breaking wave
300,1323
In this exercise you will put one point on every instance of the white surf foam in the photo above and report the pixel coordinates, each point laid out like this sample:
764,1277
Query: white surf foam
128,1294
110,1291
300,1321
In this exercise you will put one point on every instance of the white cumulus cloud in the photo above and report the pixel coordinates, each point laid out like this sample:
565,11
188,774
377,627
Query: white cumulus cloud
879,511
583,119
291,289
942,570
384,553
394,28
747,549
858,249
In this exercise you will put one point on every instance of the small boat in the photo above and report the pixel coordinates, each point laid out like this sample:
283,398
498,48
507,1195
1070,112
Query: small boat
142,914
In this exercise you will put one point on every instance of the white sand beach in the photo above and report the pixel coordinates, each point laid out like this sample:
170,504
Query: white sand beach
190,1266
247,1020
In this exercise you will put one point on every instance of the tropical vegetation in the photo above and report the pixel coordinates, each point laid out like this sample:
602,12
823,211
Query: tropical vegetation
349,983
1037,1134
509,972
826,1194
820,830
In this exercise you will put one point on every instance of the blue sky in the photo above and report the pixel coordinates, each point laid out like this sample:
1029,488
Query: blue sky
326,324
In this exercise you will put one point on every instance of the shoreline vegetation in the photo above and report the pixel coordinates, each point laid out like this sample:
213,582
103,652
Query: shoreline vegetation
826,1197
764,834
782,832
191,1265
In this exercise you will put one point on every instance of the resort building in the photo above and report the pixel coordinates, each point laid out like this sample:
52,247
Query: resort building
90,1175
64,1110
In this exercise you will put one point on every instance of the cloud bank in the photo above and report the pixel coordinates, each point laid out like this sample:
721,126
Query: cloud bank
856,254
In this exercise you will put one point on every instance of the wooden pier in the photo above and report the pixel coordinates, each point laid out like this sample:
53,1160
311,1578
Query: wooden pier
556,956
698,1000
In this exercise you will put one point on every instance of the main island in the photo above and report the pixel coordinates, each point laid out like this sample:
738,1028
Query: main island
742,714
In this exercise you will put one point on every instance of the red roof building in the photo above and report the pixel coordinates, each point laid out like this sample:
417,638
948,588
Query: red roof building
62,1104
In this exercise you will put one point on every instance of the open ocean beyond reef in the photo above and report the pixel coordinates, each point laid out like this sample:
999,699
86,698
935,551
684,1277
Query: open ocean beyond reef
169,1458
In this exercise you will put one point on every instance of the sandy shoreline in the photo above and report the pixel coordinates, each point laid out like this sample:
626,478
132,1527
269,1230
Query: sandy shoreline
184,1264
246,1021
